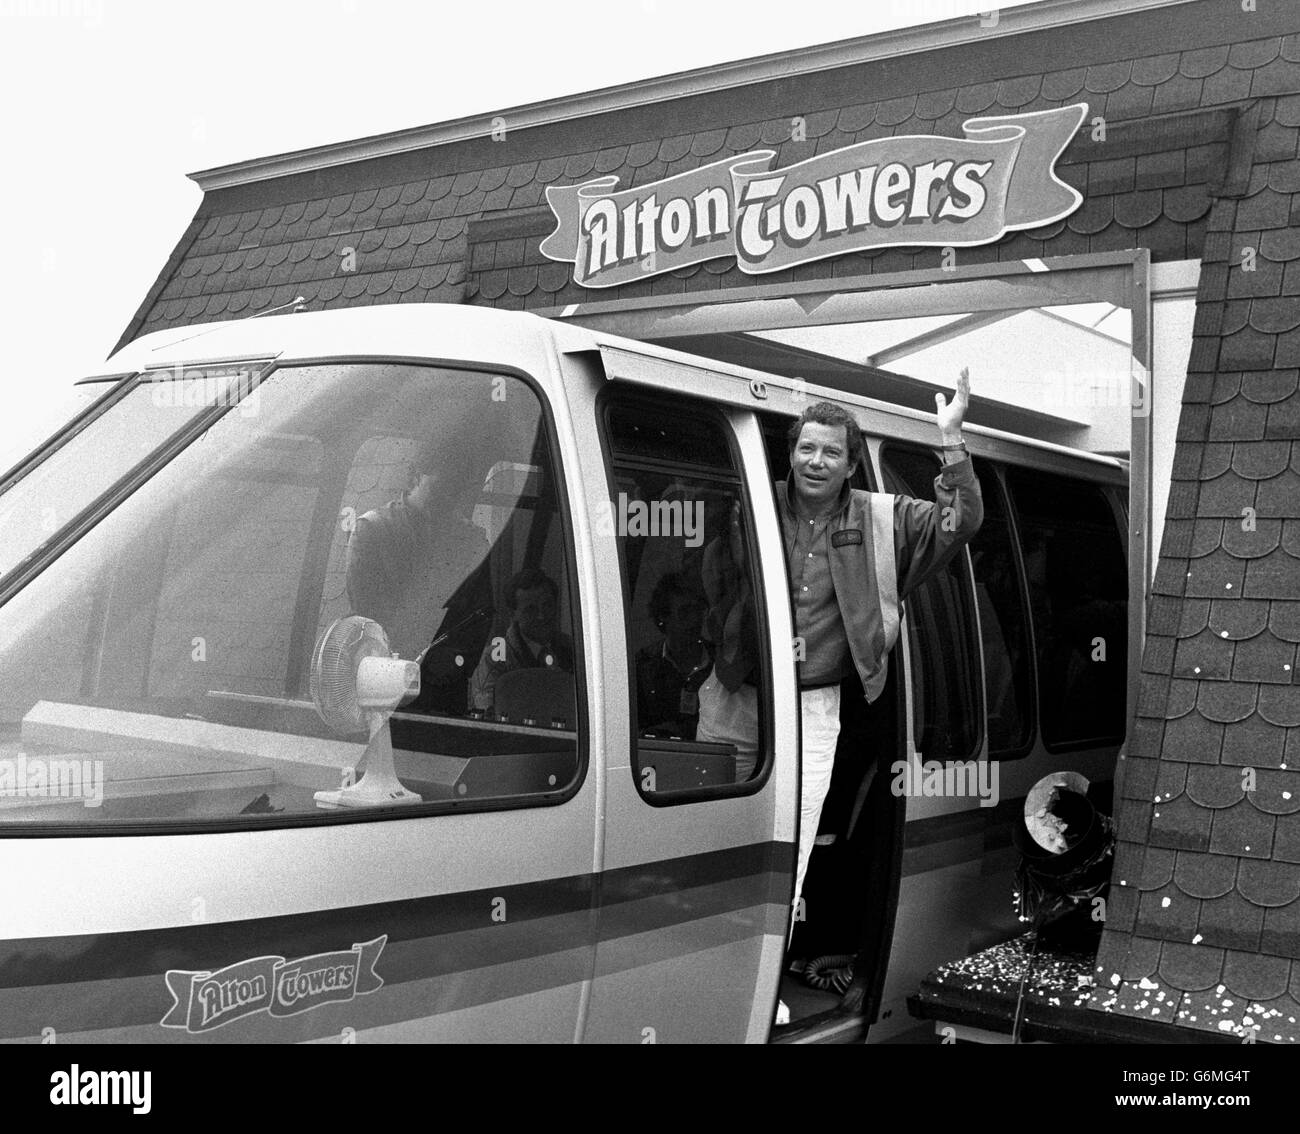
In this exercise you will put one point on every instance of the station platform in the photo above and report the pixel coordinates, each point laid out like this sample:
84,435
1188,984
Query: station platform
977,997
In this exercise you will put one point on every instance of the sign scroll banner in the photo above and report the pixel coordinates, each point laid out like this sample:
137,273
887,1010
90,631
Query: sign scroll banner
205,1000
910,190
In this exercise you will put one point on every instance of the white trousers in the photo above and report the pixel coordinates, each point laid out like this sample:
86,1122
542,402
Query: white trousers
820,711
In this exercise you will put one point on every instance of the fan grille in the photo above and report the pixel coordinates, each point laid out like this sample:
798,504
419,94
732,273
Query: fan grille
338,653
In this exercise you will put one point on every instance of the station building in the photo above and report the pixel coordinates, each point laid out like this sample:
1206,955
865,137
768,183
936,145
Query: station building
1137,295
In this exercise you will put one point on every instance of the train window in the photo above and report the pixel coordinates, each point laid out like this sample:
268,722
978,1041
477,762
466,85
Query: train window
697,678
776,444
1004,625
1078,593
678,439
941,629
170,657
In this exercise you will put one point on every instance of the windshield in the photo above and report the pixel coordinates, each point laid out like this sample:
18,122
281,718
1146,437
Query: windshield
161,668
44,414
59,484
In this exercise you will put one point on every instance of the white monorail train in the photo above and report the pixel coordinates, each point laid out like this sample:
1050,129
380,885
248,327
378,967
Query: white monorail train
223,816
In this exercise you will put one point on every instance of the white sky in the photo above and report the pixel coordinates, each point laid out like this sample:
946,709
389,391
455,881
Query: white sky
106,105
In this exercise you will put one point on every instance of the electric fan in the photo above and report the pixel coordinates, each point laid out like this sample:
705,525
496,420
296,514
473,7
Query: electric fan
355,684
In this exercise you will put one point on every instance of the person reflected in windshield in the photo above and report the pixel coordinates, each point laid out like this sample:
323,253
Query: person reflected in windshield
407,560
533,639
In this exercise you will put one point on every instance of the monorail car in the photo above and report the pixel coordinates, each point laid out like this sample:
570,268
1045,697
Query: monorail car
193,654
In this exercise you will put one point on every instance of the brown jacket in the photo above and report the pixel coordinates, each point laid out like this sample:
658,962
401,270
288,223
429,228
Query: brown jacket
870,582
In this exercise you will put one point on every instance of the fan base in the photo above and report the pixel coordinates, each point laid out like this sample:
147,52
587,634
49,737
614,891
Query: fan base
364,795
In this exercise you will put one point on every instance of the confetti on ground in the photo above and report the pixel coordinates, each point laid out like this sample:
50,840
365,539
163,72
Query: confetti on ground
1059,977
1071,978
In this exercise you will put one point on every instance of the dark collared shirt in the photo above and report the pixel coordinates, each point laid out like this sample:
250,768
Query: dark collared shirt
817,619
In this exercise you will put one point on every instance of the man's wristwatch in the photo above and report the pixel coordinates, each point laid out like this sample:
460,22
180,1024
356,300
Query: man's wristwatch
954,452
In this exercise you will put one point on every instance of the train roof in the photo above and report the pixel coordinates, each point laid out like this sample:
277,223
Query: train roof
423,330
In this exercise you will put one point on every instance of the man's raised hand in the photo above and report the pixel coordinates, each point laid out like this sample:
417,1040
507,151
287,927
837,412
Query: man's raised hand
951,414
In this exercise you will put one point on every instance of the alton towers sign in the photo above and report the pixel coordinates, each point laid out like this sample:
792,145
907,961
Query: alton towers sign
909,190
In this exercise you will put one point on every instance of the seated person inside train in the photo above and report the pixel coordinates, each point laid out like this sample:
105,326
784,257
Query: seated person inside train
408,560
669,673
532,640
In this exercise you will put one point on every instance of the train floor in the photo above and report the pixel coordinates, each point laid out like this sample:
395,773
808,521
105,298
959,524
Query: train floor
805,1002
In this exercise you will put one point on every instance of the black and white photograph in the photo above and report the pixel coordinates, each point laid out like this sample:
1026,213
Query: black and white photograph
663,524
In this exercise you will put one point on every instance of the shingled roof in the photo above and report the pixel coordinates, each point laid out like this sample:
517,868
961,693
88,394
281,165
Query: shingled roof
1201,159
462,222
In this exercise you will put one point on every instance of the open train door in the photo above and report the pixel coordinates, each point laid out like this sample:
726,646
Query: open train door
701,760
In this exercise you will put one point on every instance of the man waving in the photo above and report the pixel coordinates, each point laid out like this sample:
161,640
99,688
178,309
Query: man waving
852,555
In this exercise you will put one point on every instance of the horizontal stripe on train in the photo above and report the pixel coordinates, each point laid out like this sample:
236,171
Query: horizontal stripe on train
717,881
526,1002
